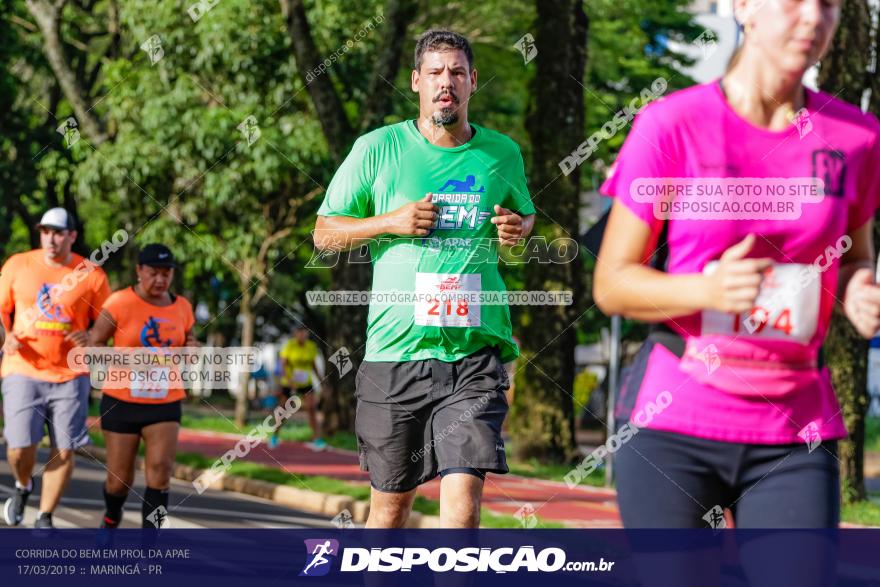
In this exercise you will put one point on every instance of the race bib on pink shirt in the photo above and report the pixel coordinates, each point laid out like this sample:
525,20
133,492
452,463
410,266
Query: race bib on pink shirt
787,307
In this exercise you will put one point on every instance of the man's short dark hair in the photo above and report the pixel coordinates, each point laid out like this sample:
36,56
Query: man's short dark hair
437,40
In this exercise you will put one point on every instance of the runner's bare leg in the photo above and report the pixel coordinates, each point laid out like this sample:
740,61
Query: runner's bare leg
389,510
58,471
21,461
460,496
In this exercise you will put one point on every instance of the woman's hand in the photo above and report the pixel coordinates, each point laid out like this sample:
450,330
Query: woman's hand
734,285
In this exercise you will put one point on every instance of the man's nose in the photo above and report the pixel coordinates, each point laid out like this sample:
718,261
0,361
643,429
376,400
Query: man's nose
446,79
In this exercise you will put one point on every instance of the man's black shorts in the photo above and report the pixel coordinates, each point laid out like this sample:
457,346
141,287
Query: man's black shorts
417,418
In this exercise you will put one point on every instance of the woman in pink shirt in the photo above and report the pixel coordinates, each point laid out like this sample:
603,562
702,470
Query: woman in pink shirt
767,191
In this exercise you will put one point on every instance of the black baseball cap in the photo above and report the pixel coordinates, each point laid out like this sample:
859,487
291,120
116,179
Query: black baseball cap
156,255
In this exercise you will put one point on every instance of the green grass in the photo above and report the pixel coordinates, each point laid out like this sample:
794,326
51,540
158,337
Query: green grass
866,513
294,431
275,475
552,471
213,423
291,431
492,520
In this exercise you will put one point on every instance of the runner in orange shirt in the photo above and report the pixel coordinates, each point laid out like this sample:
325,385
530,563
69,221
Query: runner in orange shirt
48,297
144,315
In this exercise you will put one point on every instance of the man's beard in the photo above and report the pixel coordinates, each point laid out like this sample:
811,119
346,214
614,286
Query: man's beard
445,116
449,115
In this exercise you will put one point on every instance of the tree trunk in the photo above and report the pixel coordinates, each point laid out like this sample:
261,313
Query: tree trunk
845,73
542,419
398,15
248,322
847,356
337,406
346,330
328,105
348,326
48,17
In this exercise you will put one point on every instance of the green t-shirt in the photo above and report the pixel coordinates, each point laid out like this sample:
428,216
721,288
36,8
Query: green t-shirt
426,291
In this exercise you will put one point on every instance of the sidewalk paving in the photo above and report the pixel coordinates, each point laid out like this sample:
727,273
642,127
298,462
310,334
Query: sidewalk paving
583,506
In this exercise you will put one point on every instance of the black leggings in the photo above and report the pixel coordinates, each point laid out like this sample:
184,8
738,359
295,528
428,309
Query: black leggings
668,480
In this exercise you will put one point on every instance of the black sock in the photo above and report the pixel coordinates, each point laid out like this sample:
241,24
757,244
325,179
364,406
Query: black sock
114,504
153,498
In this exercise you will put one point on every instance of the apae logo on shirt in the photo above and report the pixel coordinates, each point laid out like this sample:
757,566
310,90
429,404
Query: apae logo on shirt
151,336
53,319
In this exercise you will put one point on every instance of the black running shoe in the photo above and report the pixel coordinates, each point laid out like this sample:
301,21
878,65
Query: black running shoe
13,509
44,522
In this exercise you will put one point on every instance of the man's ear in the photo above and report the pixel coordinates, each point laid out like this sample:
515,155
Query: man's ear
474,81
414,80
73,235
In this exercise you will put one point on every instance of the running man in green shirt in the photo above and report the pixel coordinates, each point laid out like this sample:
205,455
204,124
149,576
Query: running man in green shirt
433,197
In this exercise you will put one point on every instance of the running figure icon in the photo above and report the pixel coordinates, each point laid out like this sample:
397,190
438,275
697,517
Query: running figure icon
319,558
463,186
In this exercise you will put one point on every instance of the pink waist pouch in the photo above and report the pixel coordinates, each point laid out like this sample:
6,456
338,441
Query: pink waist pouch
745,368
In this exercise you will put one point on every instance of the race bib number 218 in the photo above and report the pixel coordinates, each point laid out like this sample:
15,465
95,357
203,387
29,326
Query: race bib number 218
447,299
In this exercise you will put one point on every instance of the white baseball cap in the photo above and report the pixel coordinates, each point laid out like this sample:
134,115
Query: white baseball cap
58,218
